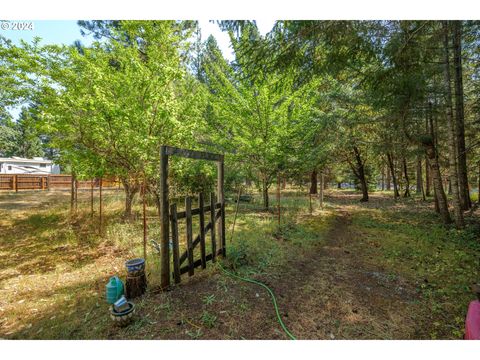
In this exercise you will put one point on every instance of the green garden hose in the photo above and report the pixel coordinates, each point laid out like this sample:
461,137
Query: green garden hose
274,300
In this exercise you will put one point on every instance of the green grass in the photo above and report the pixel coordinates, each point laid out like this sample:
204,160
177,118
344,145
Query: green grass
442,262
261,243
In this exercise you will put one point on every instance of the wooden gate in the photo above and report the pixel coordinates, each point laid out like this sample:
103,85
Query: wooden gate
170,216
213,213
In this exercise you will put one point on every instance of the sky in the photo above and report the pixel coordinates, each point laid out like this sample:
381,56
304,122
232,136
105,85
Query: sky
51,32
67,31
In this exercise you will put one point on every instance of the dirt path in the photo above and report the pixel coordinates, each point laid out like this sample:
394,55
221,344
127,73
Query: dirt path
331,292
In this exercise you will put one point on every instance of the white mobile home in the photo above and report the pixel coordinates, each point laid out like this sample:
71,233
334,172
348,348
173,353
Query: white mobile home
35,166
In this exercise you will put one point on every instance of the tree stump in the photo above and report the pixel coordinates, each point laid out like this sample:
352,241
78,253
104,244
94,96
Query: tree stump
136,285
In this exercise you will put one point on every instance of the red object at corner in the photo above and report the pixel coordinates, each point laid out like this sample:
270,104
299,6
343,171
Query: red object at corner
472,323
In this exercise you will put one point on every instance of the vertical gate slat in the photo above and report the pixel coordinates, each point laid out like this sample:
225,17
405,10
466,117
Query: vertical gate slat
202,231
212,228
224,247
188,213
221,200
176,251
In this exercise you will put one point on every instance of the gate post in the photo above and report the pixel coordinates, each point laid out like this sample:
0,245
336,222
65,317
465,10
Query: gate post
164,225
212,229
221,199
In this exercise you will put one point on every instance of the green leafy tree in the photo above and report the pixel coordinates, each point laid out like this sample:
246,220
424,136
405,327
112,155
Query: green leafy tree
252,113
8,134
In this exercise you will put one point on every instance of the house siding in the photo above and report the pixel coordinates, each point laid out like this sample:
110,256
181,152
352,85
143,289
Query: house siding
24,167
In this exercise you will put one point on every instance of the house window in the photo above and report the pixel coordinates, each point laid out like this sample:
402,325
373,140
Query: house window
43,165
9,167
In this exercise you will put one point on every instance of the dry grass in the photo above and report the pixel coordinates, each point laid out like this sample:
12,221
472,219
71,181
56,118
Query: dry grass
51,262
351,270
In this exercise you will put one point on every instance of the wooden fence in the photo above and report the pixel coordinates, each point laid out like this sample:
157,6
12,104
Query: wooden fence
48,182
215,212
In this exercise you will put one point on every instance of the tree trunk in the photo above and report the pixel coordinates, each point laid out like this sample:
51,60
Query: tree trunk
383,178
427,177
424,198
460,118
322,188
437,184
72,191
419,177
364,185
128,204
407,179
313,182
130,192
360,173
92,184
452,158
435,200
339,185
135,285
435,137
389,180
428,130
399,180
394,178
157,199
440,199
265,194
